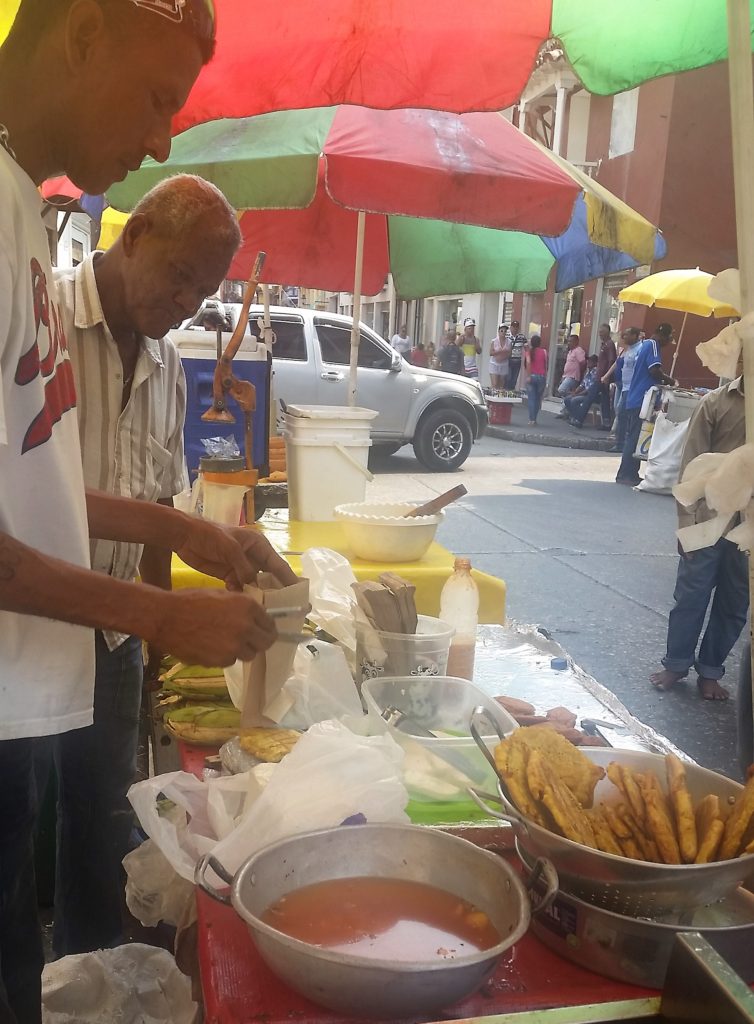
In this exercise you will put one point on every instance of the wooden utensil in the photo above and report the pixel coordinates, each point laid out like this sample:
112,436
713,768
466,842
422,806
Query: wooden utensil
430,508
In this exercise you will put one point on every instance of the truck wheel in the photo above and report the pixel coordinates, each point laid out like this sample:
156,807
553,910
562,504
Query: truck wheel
745,718
443,440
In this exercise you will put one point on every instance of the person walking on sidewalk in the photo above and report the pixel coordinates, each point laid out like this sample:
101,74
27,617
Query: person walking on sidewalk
536,366
647,373
573,371
622,372
719,573
605,360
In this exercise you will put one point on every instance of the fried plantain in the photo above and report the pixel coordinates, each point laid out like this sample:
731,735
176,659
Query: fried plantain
547,786
683,808
709,844
511,763
627,782
573,767
738,822
603,833
658,819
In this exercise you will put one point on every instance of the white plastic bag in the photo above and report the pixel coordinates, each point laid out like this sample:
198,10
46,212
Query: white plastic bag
131,984
320,688
154,890
330,775
664,457
334,608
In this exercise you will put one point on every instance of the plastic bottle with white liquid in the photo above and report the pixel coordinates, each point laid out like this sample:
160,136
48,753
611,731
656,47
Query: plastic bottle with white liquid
459,607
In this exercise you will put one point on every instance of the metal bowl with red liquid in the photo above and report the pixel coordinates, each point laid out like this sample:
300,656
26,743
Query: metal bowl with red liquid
366,986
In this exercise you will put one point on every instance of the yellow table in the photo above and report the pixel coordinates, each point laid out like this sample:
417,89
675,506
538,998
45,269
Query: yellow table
428,575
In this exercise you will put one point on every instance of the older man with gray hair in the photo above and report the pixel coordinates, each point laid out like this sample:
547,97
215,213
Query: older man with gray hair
117,307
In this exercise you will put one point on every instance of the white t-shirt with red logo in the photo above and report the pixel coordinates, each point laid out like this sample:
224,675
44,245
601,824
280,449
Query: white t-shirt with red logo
46,667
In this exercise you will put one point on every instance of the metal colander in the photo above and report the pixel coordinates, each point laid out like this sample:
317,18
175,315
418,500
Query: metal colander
631,887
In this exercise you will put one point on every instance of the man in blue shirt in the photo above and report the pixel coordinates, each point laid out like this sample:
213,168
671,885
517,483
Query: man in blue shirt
580,402
647,374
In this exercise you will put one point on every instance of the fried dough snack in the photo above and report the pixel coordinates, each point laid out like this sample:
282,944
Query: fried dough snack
573,769
683,808
604,834
709,828
546,785
510,759
738,822
658,818
269,745
623,778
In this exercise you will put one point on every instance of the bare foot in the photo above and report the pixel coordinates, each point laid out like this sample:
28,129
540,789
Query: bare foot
666,679
710,689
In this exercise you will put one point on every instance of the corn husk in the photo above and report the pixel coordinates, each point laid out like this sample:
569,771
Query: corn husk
207,724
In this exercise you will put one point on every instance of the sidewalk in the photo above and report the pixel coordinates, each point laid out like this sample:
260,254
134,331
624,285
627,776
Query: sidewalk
550,430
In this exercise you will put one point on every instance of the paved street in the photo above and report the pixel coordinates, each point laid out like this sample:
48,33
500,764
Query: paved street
592,562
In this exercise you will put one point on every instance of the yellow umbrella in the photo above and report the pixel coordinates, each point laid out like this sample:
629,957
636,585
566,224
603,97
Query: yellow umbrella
113,222
682,290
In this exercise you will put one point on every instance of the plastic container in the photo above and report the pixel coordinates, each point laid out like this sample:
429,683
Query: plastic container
224,484
324,472
379,532
459,606
438,768
379,653
327,449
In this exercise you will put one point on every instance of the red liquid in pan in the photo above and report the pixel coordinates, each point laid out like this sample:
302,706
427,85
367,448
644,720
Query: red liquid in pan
383,918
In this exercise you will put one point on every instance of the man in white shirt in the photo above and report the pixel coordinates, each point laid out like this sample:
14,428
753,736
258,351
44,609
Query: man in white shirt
88,89
401,342
116,307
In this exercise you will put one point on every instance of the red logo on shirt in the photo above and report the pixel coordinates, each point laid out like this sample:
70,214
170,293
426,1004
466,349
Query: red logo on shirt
60,389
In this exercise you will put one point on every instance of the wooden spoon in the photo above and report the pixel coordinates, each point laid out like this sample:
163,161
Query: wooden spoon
430,508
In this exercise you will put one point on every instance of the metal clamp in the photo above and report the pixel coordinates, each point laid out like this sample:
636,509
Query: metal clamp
479,714
200,872
508,815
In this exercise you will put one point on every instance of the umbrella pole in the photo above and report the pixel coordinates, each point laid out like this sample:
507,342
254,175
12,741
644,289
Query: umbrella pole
678,346
360,226
742,122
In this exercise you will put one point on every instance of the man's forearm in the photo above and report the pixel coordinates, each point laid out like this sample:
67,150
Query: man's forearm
138,522
156,563
35,584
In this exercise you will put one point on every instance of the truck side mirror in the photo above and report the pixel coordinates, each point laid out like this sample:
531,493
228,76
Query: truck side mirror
397,363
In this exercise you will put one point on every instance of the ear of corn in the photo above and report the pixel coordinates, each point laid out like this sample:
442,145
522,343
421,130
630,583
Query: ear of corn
207,724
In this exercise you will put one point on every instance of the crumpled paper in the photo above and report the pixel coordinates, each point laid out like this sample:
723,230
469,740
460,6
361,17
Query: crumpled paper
726,483
722,353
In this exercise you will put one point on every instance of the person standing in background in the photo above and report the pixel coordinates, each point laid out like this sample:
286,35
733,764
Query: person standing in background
500,350
536,366
451,356
401,342
471,347
517,342
605,359
419,357
622,372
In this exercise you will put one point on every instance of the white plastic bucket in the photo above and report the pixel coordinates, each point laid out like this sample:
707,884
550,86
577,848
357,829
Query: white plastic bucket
340,421
324,472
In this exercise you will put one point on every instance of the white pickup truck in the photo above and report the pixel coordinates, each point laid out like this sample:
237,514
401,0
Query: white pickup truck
440,414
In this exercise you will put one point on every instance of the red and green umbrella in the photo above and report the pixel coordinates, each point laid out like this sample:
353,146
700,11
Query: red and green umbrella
452,202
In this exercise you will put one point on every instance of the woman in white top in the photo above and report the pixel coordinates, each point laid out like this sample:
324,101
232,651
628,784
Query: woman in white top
500,350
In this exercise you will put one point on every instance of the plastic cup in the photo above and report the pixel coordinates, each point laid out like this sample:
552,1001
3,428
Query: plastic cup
222,503
425,653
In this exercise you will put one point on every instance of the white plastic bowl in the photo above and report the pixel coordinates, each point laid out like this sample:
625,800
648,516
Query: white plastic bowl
376,532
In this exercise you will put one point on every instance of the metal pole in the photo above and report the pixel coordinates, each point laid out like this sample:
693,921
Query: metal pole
360,226
742,132
678,346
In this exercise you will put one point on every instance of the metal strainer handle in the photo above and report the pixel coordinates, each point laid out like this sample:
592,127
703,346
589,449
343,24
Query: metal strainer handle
508,814
480,713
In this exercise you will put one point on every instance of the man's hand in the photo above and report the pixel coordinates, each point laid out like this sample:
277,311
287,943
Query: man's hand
211,627
232,554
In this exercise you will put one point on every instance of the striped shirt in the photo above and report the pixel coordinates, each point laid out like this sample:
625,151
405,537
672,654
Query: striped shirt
136,452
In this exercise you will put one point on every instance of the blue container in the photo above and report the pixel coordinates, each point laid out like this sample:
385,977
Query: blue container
198,353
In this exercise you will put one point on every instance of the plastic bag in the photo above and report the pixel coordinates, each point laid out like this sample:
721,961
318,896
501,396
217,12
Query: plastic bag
320,688
664,458
131,984
333,603
154,890
221,447
330,775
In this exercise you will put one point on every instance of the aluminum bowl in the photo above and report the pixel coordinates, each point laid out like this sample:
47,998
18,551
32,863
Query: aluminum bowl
622,885
362,986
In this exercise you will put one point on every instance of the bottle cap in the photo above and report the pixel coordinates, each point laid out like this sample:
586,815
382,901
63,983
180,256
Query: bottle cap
462,563
559,664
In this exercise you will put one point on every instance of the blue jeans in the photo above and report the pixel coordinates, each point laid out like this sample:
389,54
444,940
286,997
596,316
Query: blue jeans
620,420
579,405
567,385
534,391
21,954
721,569
629,464
95,768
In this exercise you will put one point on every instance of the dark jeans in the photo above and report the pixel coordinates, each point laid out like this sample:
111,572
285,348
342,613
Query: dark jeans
579,405
721,569
620,421
95,768
514,366
21,955
629,464
535,389
605,405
